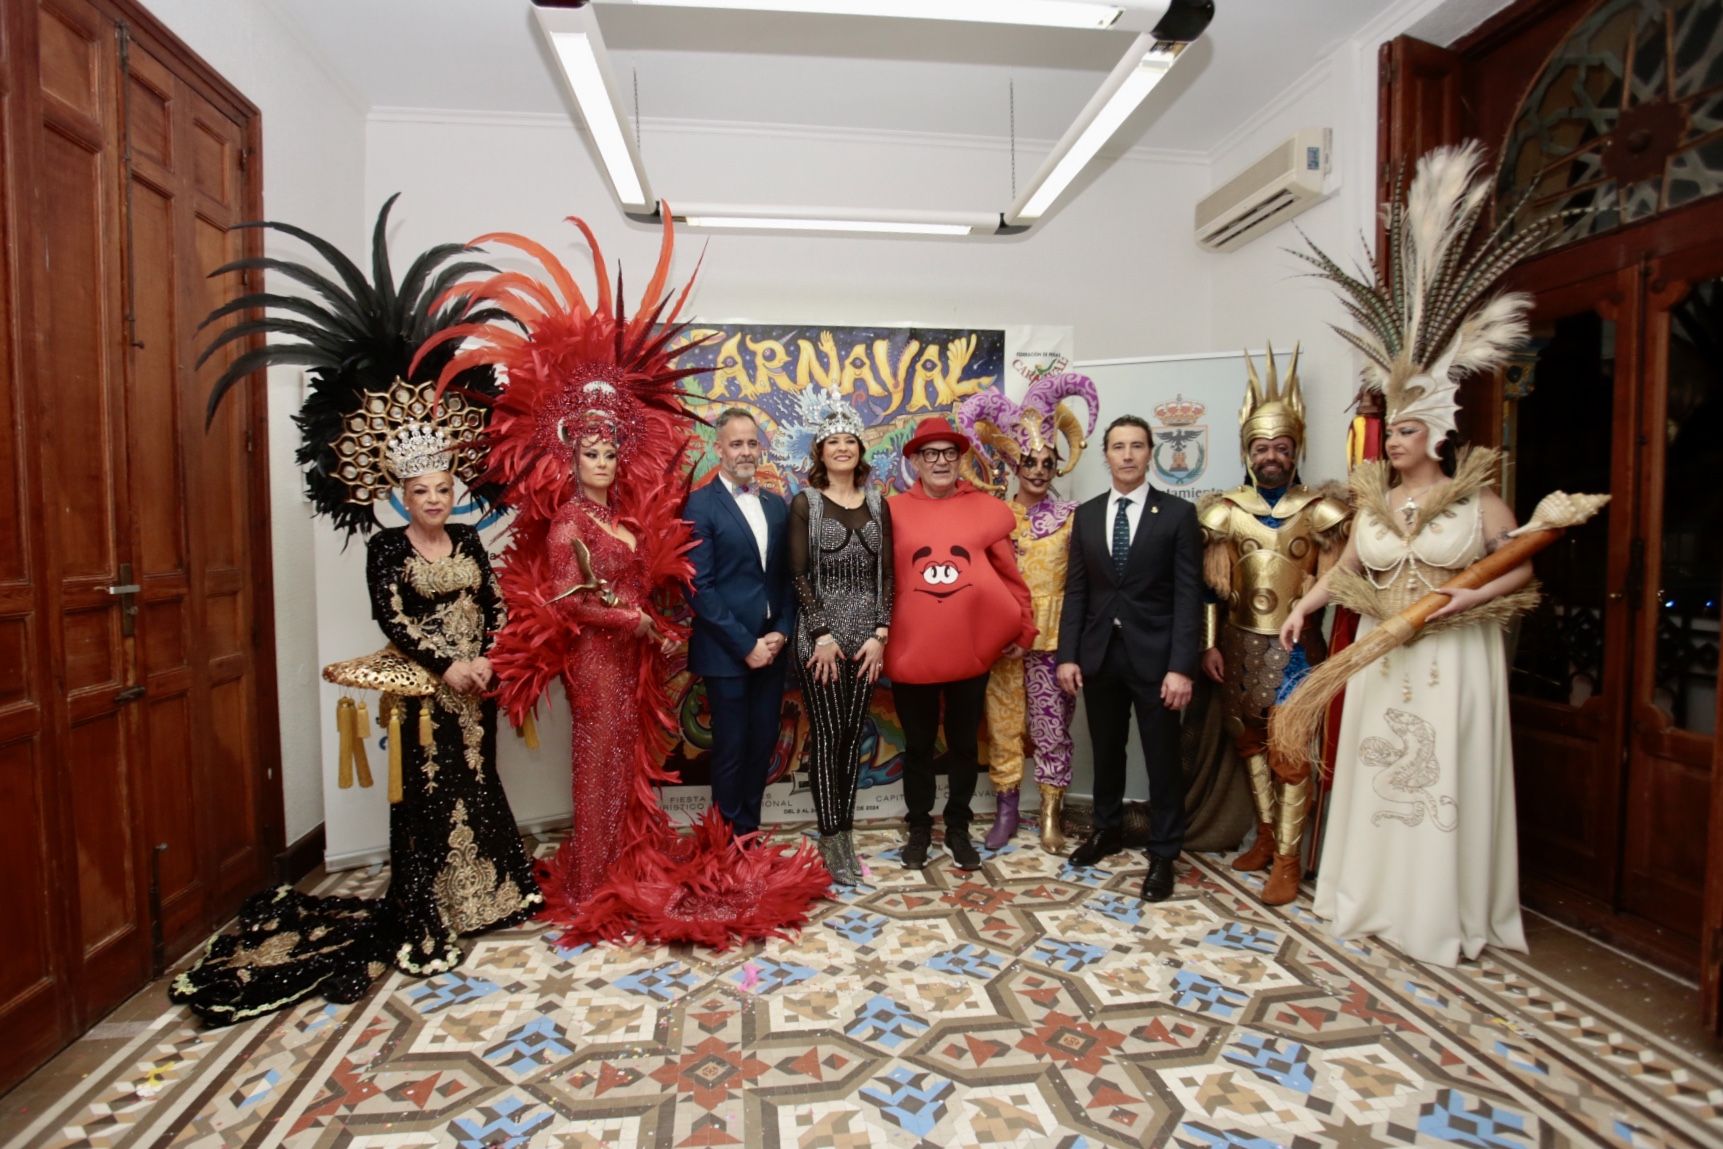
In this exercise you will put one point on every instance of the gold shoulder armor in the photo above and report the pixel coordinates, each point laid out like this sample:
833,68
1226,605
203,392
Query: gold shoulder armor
1329,512
1213,510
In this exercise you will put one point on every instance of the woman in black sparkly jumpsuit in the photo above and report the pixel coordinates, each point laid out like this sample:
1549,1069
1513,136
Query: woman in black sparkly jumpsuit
840,559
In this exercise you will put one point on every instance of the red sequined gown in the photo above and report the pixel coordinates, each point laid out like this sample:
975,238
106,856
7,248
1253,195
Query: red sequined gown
600,684
625,873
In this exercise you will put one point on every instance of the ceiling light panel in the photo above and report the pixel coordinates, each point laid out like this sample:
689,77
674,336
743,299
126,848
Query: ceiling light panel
575,41
1130,15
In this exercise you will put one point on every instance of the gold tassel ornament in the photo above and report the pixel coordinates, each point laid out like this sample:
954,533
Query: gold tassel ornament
362,731
427,733
344,723
395,751
529,731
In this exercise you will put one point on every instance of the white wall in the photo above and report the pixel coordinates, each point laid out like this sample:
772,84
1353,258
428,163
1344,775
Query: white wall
313,176
1258,292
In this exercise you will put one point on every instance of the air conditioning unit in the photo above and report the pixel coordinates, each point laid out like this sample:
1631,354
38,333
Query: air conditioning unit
1282,184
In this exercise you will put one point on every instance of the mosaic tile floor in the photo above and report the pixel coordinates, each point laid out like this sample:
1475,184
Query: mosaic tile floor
1025,1006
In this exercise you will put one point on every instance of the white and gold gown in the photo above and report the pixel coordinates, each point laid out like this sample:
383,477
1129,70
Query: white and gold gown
1421,849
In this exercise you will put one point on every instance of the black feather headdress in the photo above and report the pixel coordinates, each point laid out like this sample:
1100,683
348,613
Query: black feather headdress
359,337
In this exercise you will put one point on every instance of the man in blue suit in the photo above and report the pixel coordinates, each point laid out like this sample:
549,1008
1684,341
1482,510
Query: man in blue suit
744,613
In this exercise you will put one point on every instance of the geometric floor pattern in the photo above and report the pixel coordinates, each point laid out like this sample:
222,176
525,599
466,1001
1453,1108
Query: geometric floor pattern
1028,1005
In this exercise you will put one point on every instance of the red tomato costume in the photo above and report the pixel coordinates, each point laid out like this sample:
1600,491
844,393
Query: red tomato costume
960,599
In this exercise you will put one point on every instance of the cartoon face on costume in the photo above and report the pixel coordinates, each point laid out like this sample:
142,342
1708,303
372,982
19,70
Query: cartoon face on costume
940,576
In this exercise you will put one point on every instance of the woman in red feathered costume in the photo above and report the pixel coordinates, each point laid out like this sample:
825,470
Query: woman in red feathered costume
592,443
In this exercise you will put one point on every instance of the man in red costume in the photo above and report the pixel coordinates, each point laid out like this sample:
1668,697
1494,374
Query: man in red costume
960,605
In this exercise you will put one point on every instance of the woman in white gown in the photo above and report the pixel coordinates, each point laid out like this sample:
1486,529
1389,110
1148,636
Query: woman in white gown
1420,849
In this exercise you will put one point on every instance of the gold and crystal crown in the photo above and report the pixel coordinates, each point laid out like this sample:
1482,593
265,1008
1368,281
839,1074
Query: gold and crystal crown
375,451
418,449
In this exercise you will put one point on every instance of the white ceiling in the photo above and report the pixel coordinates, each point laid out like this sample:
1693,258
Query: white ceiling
839,72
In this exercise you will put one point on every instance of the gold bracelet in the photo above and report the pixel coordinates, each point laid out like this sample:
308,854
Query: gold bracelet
1211,625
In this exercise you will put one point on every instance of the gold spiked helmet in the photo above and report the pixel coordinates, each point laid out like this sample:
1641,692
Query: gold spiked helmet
1272,410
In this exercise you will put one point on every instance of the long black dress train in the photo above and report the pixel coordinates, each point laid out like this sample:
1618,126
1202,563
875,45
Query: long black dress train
457,864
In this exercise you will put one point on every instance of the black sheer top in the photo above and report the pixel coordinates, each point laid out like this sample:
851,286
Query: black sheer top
840,562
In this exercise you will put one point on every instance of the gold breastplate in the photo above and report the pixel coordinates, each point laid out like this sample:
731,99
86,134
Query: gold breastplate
1270,567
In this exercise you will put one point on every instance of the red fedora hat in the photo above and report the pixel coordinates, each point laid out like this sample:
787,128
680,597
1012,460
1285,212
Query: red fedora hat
931,430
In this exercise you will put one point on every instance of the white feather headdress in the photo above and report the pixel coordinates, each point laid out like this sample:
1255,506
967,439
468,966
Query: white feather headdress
1424,321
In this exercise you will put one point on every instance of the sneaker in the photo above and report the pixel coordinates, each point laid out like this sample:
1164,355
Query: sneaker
962,850
915,850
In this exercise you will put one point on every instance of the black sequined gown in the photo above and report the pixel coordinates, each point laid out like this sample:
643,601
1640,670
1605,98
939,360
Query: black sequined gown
457,864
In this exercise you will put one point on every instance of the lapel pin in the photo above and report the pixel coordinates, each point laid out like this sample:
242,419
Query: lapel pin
1154,510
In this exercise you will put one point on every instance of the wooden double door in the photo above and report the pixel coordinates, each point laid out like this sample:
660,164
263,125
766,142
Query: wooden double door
1615,678
1600,108
139,773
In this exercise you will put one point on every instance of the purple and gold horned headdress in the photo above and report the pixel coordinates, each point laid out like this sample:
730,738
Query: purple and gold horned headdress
1006,431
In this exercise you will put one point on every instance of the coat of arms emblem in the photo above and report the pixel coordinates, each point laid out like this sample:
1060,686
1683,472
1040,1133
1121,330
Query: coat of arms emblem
1180,453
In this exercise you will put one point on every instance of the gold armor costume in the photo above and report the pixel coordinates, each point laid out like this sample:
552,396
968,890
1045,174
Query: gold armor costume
1258,571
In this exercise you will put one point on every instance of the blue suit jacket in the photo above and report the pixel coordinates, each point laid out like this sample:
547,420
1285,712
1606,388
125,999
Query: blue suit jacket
731,591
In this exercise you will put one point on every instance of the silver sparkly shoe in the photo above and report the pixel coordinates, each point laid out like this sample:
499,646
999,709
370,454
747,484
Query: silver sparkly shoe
832,854
852,864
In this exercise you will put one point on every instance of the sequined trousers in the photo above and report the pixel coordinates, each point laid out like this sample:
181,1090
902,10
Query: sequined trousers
837,711
1027,713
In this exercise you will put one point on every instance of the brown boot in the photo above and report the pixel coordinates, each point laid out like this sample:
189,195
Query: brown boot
1261,851
1288,838
1282,884
1052,818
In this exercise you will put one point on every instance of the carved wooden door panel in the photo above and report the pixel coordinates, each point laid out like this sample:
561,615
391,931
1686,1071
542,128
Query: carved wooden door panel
80,393
35,998
189,515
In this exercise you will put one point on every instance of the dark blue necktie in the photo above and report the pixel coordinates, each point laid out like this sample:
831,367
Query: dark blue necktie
1121,537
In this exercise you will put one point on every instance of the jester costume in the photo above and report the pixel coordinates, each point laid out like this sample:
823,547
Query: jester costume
457,866
582,578
1263,548
1026,710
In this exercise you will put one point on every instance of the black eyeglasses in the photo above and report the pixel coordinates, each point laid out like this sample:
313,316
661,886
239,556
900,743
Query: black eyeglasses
935,454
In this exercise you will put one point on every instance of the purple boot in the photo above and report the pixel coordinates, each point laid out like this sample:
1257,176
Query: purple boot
1004,821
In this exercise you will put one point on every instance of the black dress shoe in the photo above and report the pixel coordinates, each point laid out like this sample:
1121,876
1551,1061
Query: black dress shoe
1098,845
1158,883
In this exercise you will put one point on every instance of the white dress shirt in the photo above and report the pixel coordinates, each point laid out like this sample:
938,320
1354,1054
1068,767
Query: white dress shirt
1133,511
749,502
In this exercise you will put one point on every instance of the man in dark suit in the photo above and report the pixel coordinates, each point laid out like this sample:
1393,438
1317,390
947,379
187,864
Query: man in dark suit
744,611
1131,636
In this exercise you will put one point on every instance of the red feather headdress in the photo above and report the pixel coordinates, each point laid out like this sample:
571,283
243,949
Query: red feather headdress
572,368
